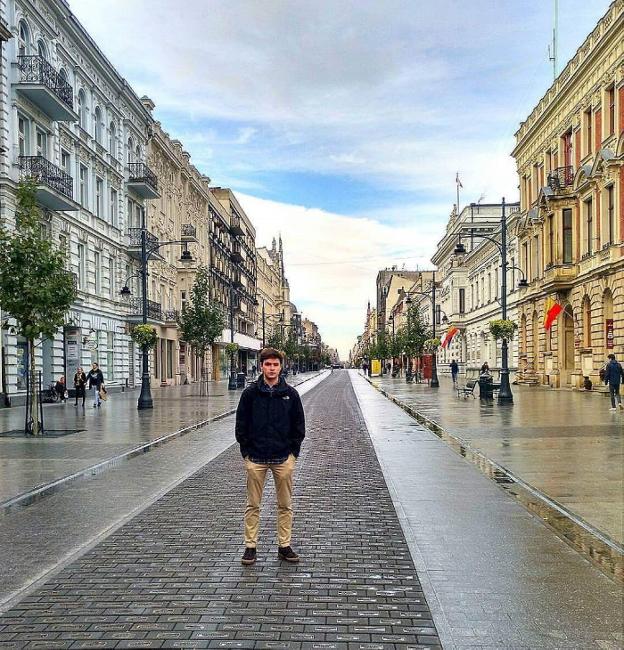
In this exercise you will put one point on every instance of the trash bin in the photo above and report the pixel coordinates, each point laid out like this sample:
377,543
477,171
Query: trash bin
486,387
240,380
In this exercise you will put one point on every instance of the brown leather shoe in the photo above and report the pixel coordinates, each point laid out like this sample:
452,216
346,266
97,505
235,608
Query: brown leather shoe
286,553
249,556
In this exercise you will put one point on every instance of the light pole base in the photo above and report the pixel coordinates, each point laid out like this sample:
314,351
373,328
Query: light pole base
232,382
145,398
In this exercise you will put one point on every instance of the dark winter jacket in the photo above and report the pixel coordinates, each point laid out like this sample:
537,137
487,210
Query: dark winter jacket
270,423
613,373
95,378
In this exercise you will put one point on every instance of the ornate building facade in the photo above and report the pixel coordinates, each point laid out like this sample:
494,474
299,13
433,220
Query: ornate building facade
570,158
68,119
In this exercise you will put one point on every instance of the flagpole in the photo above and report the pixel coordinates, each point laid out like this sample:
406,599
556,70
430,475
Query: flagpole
457,186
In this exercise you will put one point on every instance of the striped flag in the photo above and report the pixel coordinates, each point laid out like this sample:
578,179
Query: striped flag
552,309
448,336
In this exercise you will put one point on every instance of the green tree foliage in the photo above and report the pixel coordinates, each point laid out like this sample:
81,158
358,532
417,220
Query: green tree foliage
36,290
276,339
414,333
201,321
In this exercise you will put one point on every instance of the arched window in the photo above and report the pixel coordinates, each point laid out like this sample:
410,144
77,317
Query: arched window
130,150
99,126
112,140
23,38
586,311
82,109
63,74
42,50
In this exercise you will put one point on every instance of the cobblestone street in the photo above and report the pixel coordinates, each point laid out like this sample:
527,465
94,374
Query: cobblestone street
171,576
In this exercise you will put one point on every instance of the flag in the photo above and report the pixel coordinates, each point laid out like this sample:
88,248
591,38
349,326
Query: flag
448,336
552,309
459,183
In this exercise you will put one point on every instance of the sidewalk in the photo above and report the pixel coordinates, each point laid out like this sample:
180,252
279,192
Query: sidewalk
565,444
117,428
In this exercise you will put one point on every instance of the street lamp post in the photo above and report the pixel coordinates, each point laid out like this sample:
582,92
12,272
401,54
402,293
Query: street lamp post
232,378
504,394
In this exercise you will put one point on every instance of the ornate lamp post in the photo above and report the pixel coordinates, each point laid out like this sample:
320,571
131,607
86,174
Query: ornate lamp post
505,394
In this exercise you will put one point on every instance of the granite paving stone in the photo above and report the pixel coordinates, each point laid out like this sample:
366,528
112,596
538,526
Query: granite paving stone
174,569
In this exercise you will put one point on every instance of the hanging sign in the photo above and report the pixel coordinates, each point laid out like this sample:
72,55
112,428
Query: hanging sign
609,333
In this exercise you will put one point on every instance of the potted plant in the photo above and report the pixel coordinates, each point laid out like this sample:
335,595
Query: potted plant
502,329
431,345
144,336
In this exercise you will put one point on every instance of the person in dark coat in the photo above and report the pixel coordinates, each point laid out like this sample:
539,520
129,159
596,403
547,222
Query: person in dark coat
270,427
96,381
454,370
613,378
60,387
80,385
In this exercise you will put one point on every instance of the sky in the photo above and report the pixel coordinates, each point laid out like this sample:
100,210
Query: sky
342,124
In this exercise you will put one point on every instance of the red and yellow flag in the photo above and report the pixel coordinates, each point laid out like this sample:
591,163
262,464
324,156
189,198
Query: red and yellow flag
552,309
448,337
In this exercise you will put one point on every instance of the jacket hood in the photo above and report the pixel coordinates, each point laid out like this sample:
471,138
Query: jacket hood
280,387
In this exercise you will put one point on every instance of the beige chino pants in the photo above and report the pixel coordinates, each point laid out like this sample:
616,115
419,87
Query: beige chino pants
283,478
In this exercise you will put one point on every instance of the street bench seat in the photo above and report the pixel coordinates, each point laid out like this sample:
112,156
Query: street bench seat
468,389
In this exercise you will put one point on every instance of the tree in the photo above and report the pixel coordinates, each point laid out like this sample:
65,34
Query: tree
201,322
276,340
414,333
290,345
36,290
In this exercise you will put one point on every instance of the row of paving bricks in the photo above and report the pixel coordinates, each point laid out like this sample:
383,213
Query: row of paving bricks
172,578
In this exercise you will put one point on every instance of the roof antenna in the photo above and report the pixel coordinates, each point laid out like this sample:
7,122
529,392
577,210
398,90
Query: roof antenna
552,49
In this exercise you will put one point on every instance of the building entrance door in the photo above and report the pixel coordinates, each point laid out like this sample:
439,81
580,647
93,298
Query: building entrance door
567,366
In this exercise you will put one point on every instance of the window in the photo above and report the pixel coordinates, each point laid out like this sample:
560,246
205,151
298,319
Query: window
23,39
111,277
42,143
462,301
84,188
99,197
130,150
99,127
183,299
82,266
567,236
42,51
551,238
112,140
489,287
110,356
586,322
610,97
66,161
610,215
589,226
23,129
137,154
525,260
113,207
566,148
535,271
587,119
82,110
97,271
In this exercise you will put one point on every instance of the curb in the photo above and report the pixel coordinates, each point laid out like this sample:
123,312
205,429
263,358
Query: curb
36,494
604,553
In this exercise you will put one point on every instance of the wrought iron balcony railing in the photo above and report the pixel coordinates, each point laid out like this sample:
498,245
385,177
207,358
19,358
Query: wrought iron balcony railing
46,173
171,315
141,173
36,70
134,235
560,178
154,309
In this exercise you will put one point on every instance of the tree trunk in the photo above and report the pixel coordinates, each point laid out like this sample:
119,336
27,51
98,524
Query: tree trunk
203,388
33,407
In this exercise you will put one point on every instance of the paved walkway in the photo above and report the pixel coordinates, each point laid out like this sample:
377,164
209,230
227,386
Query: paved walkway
105,433
566,444
494,576
171,576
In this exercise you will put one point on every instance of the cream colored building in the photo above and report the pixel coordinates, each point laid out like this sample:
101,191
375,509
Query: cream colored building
271,290
570,158
181,212
470,286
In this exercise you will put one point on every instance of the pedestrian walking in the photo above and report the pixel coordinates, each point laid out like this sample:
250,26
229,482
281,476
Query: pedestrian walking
61,389
454,370
80,385
485,369
613,376
96,383
270,427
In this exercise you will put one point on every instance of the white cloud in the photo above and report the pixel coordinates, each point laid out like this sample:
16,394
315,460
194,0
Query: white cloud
332,260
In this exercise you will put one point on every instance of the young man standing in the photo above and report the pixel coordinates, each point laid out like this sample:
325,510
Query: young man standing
270,427
613,378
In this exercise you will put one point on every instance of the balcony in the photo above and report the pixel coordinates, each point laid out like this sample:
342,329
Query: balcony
142,181
238,254
188,232
134,243
55,187
560,277
170,316
135,315
236,227
561,178
46,88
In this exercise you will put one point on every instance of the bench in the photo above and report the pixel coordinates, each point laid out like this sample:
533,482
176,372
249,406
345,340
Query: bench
468,389
495,388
